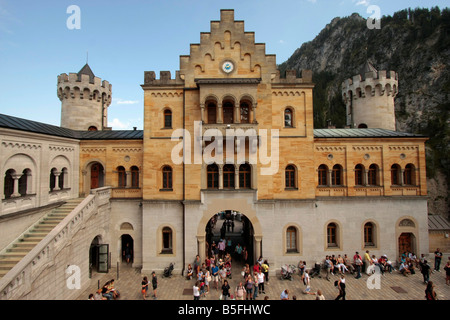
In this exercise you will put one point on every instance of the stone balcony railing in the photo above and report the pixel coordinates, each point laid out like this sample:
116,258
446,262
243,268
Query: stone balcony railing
18,282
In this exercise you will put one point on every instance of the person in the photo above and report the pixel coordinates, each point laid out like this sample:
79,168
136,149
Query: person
190,272
91,296
255,285
245,254
376,263
98,295
306,281
197,264
154,284
113,290
341,265
261,278
425,270
329,267
430,294
127,252
215,276
341,287
207,280
437,260
447,273
319,295
301,267
367,261
106,293
196,290
239,292
238,252
404,269
348,264
265,270
284,295
222,274
225,290
249,287
358,264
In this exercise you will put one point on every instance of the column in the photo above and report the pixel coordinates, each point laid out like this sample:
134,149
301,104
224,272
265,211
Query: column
219,114
220,177
201,247
402,177
329,172
254,112
236,177
16,177
365,177
202,110
257,250
237,113
56,174
128,179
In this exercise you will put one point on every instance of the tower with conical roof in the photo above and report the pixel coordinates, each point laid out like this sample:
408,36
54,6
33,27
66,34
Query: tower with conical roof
369,98
84,100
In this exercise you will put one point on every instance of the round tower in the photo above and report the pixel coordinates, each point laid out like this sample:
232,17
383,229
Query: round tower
84,100
369,98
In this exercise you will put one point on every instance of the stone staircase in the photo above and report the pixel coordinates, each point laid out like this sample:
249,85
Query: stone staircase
27,241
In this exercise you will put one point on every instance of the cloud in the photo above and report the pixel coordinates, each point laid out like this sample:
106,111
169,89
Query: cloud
117,124
363,3
121,101
282,42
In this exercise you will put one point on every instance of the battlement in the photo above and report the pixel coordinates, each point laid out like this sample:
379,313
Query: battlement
165,79
371,84
83,80
291,77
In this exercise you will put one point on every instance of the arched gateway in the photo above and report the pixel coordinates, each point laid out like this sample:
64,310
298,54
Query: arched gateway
221,208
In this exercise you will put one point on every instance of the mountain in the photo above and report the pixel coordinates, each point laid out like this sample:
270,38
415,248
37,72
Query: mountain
413,42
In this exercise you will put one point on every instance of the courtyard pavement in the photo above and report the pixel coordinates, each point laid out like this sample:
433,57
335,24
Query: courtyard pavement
393,286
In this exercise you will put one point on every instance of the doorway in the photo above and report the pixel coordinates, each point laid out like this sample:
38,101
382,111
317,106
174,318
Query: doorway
236,230
405,243
97,175
99,256
127,245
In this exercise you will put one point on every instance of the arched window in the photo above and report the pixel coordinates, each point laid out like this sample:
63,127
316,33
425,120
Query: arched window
395,174
322,175
359,174
372,176
245,112
212,173
167,177
212,112
291,239
8,187
62,179
228,176
53,179
228,112
369,235
121,177
288,117
336,175
245,176
134,177
289,175
332,235
167,119
92,128
23,182
408,175
167,240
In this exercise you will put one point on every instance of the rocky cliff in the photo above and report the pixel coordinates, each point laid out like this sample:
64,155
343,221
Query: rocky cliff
413,42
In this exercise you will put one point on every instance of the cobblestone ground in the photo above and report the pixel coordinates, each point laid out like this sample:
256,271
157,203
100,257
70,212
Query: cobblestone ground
392,286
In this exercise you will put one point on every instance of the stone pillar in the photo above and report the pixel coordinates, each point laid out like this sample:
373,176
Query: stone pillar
365,177
56,174
220,177
202,110
258,240
201,247
237,113
16,177
236,178
402,177
254,112
128,179
329,174
219,114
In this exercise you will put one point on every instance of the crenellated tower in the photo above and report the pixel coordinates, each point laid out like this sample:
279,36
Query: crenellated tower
369,98
84,100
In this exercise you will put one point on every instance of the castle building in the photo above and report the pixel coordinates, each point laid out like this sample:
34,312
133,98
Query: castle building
226,135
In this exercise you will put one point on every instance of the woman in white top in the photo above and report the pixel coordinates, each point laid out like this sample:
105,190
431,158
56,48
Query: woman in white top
196,291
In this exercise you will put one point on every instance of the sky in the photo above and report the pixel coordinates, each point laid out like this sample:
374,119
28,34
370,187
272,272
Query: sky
121,39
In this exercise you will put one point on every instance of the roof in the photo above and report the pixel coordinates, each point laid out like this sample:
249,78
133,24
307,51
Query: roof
86,70
438,222
363,133
16,123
